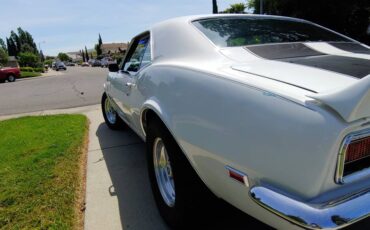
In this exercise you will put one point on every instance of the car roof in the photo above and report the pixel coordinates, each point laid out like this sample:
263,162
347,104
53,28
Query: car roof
190,18
177,38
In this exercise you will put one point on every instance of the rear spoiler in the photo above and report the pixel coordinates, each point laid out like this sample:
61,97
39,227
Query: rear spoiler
351,103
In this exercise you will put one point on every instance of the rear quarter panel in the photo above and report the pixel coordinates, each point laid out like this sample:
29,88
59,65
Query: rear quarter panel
276,142
218,122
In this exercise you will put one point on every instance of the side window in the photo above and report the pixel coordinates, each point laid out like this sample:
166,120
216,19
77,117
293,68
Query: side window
139,57
147,56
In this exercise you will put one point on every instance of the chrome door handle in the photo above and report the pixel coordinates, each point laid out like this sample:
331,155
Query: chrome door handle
130,85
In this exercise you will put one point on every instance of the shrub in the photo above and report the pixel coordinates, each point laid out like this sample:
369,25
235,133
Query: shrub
48,62
28,59
27,69
3,56
29,74
39,69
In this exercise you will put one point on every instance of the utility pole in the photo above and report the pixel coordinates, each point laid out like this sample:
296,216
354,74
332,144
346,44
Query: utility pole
261,6
215,8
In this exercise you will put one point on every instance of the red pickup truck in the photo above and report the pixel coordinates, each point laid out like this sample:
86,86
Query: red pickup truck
9,73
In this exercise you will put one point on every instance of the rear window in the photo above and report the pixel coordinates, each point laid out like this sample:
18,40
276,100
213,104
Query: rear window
227,32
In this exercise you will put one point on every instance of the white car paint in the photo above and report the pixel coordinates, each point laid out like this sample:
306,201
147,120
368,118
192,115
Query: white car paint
228,107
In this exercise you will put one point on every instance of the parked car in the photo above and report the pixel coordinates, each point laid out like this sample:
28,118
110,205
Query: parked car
70,64
59,66
9,74
105,62
84,64
95,63
271,114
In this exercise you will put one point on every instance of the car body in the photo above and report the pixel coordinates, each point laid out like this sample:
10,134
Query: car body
85,64
267,110
70,64
105,62
9,74
59,66
95,63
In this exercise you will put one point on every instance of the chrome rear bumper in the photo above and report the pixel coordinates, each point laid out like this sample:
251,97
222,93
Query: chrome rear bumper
330,216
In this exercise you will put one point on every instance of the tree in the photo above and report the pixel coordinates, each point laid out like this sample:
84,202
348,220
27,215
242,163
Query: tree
3,56
2,45
214,7
48,62
348,17
28,59
16,41
237,8
12,49
63,57
83,55
98,46
86,55
42,57
21,42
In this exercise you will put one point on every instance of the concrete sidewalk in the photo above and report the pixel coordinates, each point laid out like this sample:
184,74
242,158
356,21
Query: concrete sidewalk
118,194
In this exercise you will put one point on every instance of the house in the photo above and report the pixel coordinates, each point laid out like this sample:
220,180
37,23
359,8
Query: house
12,62
75,56
110,48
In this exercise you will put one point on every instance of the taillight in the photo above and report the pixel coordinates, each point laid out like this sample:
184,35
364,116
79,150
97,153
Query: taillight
358,150
354,156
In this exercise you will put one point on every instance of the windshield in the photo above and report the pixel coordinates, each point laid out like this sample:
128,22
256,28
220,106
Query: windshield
227,32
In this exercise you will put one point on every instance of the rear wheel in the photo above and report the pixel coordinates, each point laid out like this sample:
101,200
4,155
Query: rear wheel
180,195
11,78
111,117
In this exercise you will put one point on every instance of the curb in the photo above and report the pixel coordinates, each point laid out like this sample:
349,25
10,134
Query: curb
82,109
43,75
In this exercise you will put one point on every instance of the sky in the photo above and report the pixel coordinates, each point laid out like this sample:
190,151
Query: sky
69,25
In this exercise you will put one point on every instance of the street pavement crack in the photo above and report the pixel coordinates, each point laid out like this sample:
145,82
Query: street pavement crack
116,146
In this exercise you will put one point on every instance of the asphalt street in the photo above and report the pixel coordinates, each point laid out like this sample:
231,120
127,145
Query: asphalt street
78,86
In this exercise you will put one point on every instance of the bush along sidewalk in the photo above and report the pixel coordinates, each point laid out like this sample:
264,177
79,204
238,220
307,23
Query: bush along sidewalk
42,165
29,74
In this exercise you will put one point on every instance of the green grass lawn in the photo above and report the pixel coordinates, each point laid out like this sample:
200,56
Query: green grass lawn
29,74
42,172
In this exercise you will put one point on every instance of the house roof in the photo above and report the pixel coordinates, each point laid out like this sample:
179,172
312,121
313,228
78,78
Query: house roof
114,45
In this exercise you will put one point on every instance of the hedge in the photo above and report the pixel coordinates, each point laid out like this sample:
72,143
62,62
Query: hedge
30,69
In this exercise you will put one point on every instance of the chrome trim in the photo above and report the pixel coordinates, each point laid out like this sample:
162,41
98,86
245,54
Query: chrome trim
163,172
339,178
328,216
109,111
245,176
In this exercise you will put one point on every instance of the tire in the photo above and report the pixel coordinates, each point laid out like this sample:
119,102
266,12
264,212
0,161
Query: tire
192,197
11,78
111,117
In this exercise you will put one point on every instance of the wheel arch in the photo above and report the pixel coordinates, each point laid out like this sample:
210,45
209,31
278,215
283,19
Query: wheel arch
153,111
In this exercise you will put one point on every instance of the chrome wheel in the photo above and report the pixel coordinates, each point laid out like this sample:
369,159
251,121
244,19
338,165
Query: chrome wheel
163,172
109,112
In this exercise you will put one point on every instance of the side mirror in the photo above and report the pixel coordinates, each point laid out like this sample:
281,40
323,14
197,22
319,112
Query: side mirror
113,67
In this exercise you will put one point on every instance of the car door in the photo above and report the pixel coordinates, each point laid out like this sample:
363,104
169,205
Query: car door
124,82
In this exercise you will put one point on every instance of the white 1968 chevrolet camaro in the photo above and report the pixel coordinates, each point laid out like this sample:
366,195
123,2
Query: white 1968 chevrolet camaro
271,114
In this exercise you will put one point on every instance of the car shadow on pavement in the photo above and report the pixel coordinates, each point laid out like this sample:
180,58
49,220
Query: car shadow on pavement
124,155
